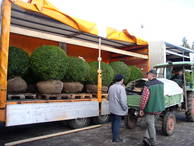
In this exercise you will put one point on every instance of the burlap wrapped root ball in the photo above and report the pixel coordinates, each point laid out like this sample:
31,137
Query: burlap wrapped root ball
107,77
49,63
50,87
121,68
18,65
135,73
77,73
16,85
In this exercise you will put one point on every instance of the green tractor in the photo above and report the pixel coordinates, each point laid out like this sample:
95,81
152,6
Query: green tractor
178,79
183,74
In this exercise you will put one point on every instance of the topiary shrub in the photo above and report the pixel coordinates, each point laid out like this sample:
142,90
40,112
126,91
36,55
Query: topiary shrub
49,62
18,63
30,77
107,73
78,70
121,68
135,73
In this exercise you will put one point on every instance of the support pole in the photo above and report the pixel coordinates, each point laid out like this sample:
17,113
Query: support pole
99,93
4,49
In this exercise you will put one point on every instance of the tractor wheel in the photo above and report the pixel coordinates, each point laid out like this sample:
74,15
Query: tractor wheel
101,119
168,123
79,123
130,120
190,103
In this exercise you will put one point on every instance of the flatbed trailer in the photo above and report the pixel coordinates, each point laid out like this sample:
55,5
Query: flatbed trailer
28,26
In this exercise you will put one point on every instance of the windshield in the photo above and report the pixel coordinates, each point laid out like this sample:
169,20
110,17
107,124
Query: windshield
165,72
176,73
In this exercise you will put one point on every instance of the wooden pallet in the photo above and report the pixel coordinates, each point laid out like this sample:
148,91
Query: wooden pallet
103,95
66,96
21,96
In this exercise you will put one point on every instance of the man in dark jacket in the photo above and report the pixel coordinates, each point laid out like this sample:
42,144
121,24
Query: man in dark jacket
117,105
152,104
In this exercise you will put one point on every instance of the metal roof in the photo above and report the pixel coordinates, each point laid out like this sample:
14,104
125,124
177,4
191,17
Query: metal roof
174,51
36,21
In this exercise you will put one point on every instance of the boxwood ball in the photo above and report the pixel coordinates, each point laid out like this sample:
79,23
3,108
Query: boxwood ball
18,62
121,68
49,62
78,70
107,73
135,73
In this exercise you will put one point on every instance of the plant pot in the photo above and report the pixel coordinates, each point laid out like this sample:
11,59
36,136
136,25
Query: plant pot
50,87
72,87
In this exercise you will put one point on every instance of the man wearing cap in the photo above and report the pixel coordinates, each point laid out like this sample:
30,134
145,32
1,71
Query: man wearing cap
117,105
152,104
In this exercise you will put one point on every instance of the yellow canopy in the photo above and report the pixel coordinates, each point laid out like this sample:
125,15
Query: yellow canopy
46,8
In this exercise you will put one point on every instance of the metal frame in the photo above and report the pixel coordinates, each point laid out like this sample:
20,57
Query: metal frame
162,52
35,21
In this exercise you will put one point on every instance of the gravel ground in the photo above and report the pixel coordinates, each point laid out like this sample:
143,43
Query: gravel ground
184,135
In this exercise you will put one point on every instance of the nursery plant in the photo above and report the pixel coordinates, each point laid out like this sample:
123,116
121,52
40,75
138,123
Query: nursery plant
18,63
135,73
49,62
121,68
78,70
107,73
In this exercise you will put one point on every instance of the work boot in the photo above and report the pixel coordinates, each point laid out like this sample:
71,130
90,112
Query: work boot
146,141
152,142
118,140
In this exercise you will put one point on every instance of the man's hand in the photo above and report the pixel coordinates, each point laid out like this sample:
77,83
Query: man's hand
141,113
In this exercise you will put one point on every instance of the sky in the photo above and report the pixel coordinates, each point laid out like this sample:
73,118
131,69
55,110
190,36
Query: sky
152,20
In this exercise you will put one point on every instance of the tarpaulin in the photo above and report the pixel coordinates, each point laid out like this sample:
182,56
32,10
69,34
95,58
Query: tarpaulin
48,9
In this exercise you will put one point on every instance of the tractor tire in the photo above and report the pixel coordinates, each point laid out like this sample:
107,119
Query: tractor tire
79,123
190,102
130,120
168,123
101,119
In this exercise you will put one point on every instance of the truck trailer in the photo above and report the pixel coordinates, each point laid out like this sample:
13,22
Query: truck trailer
31,24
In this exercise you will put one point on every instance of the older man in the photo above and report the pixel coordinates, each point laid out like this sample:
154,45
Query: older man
117,105
152,103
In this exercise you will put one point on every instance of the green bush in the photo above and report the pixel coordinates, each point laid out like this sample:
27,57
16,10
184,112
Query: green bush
18,63
189,76
49,62
107,73
135,73
30,77
78,70
121,68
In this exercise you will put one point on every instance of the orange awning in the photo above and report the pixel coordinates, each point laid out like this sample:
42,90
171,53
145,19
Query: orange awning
46,8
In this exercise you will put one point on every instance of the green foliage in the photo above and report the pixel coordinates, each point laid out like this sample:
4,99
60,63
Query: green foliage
121,68
18,63
30,77
135,73
78,70
107,73
189,76
49,62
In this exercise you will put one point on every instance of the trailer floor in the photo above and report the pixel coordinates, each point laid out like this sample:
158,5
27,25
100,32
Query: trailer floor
102,136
